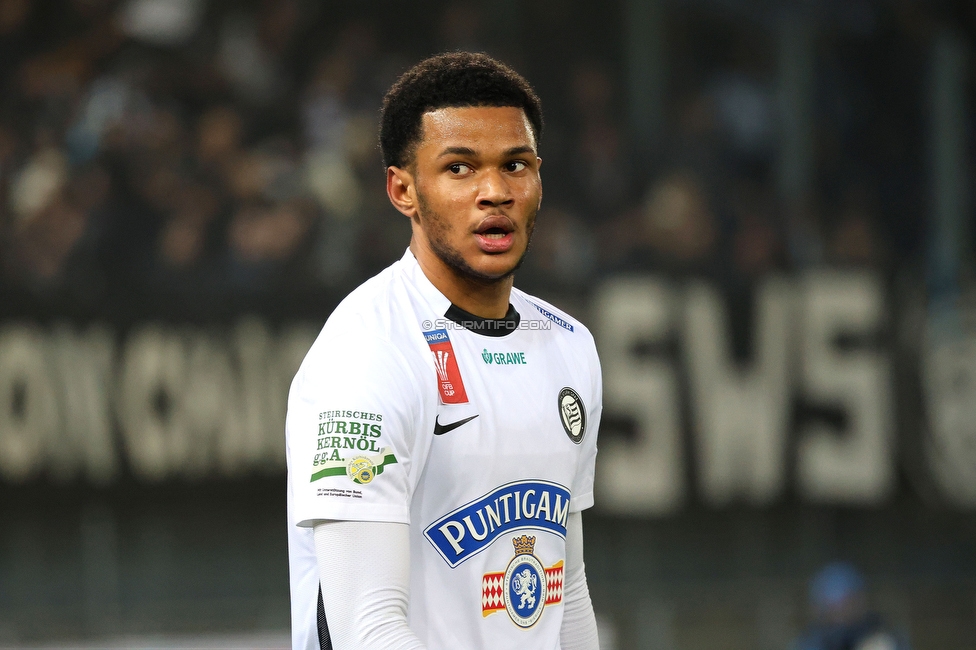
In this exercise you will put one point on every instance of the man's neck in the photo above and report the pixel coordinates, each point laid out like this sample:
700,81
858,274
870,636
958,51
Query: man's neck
484,299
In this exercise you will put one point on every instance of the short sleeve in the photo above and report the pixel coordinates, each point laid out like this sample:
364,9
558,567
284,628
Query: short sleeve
586,465
351,431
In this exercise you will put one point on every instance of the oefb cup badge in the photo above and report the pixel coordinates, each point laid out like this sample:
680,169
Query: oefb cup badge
445,363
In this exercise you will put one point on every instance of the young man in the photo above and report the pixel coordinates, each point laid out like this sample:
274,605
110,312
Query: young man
442,430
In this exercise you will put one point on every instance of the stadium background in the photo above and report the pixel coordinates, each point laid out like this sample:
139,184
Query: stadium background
762,209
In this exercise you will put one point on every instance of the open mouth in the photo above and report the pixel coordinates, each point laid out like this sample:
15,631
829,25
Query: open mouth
494,234
495,227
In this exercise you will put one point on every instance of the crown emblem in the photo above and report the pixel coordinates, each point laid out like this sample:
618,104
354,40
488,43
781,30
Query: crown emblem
524,545
440,362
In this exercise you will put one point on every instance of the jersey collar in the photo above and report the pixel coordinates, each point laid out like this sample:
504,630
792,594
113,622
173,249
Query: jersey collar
438,301
495,327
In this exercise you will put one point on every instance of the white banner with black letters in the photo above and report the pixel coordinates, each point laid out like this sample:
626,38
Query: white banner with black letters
162,401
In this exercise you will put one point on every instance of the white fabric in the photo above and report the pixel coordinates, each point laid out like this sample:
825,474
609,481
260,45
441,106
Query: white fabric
579,631
362,412
304,585
365,602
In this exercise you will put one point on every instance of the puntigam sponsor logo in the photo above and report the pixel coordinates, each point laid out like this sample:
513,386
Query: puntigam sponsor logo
503,358
521,504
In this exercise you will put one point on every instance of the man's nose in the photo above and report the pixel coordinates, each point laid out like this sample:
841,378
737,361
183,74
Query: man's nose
495,190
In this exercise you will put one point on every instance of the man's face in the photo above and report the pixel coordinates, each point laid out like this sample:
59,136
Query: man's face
477,189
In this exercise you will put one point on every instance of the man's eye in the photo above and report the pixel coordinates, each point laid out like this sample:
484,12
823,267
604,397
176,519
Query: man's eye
515,166
459,168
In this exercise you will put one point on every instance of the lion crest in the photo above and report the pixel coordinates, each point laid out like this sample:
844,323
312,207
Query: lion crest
525,583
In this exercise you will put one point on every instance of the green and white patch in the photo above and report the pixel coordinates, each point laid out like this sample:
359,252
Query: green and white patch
350,431
361,469
503,358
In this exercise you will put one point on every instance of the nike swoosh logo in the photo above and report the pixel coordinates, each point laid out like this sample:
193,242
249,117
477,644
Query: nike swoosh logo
441,429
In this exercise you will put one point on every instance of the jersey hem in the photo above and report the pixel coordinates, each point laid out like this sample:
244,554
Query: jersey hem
359,513
582,502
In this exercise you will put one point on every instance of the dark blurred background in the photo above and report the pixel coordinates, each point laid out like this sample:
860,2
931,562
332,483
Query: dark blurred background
762,208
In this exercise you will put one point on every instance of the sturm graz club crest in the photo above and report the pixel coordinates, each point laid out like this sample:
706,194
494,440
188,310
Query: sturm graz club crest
524,588
573,414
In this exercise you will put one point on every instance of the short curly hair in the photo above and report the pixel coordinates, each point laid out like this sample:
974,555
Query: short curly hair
451,80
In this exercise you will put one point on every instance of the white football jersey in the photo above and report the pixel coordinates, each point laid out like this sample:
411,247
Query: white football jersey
479,434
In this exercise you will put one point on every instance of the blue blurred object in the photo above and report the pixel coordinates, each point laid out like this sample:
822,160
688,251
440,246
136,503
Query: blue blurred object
843,620
834,584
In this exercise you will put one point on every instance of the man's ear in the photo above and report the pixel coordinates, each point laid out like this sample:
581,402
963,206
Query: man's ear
539,166
401,190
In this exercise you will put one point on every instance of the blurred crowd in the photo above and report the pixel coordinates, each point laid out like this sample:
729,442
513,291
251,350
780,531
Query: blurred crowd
205,148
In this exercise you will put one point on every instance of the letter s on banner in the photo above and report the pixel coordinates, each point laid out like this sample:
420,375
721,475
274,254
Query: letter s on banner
858,468
646,475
